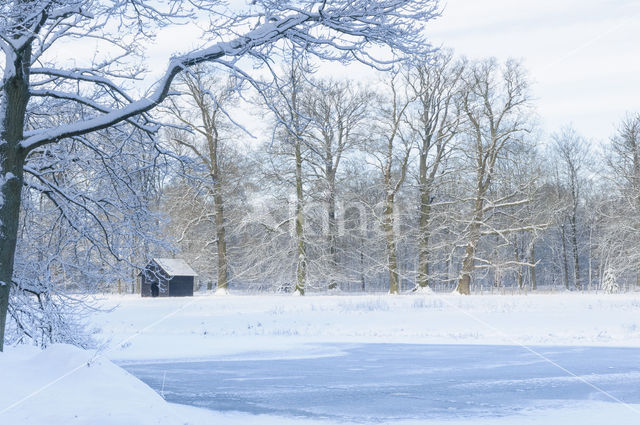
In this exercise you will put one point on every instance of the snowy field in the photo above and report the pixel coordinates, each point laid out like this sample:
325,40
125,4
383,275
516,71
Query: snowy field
206,326
278,333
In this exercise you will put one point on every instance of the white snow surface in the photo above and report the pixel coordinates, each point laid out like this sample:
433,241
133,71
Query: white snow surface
66,385
175,267
207,326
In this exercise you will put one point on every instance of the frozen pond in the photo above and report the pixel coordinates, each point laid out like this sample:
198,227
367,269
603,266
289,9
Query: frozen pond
382,382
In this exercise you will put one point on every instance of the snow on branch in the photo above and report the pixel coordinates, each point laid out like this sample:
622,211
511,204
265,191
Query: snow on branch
82,75
352,26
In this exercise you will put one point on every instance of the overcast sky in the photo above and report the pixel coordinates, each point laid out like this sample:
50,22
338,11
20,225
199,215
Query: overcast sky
583,56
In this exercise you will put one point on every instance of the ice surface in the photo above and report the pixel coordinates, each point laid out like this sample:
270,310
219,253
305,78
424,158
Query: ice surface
372,383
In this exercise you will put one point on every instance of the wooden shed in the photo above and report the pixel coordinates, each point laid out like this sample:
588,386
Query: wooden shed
167,277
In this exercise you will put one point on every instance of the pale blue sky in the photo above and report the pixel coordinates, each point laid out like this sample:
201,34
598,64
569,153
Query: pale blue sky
583,56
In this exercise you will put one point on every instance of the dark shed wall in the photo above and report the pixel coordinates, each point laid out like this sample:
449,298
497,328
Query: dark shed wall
181,286
145,285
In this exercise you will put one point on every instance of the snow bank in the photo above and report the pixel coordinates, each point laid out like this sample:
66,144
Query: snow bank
67,385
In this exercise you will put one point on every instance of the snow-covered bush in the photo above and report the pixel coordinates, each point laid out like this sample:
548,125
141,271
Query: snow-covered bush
609,282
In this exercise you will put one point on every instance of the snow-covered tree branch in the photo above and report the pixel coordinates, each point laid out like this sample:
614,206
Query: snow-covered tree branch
34,76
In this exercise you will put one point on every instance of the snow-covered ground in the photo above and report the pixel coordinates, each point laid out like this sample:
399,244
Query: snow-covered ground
206,326
64,385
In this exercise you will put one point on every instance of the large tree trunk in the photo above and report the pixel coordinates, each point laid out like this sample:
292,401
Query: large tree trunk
10,188
565,261
331,227
362,278
392,255
516,254
218,201
532,261
221,242
468,262
423,237
13,105
301,260
574,248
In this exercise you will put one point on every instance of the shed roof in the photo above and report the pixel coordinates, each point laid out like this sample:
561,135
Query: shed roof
175,267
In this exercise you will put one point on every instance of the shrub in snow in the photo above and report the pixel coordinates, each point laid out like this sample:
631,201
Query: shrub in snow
609,282
423,290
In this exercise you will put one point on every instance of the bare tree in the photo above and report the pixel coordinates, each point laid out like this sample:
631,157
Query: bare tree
573,154
291,134
203,110
434,118
337,113
340,30
495,101
521,224
623,161
390,148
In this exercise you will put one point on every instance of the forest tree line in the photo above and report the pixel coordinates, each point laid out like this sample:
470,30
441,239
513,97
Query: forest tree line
434,176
